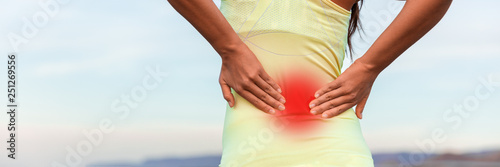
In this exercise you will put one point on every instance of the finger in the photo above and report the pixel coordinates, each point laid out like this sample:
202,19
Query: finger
257,102
327,97
266,98
329,87
337,110
330,104
360,107
226,93
270,81
263,85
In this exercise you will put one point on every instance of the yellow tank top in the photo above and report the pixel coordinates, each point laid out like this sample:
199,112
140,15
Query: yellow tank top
301,45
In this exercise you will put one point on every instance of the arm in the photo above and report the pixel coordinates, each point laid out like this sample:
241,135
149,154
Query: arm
354,85
210,23
241,69
416,19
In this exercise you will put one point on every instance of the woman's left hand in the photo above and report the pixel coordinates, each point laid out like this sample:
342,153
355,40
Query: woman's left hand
352,87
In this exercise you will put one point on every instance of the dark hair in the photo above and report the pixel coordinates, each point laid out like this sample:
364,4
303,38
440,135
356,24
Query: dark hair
354,24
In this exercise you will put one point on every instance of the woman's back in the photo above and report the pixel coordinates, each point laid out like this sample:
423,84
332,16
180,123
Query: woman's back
301,46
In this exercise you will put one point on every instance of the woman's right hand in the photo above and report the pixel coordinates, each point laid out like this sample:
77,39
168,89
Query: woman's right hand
242,71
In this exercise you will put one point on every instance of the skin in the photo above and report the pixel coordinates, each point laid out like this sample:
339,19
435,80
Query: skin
346,4
353,86
242,71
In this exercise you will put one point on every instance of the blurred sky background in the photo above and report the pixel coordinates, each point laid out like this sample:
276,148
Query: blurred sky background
91,52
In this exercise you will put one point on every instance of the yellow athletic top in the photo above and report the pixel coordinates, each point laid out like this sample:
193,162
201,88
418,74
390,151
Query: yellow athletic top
301,45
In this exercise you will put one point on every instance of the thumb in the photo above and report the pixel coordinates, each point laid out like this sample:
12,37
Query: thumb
226,92
361,106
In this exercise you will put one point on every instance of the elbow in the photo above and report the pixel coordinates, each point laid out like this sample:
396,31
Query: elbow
445,4
437,5
173,2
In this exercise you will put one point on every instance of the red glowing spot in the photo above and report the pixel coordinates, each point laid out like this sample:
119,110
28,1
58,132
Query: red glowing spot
298,88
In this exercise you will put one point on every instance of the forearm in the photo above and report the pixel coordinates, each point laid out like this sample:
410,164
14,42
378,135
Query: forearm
415,19
210,23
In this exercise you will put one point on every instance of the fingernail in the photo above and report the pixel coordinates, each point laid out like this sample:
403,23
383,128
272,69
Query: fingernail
281,107
316,95
324,115
313,112
271,111
282,100
279,90
311,105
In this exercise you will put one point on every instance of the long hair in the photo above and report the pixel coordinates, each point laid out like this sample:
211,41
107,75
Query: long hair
354,24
